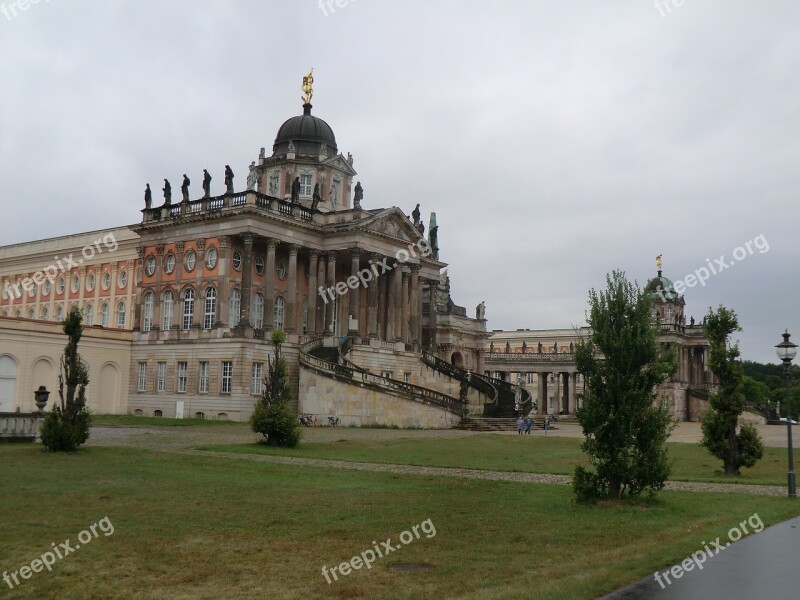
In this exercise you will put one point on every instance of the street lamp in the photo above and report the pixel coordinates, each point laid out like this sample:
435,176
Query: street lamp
786,351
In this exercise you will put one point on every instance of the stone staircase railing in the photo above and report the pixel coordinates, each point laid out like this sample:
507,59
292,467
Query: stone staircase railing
350,373
481,384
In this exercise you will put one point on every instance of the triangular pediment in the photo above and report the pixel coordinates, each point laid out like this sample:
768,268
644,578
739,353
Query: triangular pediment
341,163
392,223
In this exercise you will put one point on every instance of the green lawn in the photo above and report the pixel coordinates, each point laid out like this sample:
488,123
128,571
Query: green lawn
533,454
206,527
132,421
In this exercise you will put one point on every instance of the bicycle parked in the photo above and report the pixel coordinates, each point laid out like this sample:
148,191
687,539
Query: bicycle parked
333,421
308,420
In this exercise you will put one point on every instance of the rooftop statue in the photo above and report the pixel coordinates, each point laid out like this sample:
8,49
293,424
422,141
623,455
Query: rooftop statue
308,87
185,188
228,179
206,184
358,196
296,190
167,189
316,197
148,197
415,214
252,176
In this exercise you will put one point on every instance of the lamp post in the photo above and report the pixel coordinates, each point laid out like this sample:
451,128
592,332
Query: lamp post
786,351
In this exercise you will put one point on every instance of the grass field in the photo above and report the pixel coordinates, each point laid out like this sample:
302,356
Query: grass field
533,454
132,421
206,527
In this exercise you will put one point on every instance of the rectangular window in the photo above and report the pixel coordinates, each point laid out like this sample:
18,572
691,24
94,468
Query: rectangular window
407,377
162,377
258,376
227,377
305,185
202,378
529,378
183,369
142,377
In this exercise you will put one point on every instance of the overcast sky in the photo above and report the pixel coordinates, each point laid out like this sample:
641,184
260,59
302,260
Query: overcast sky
555,140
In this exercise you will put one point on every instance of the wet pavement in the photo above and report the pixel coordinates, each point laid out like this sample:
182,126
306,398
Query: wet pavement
763,566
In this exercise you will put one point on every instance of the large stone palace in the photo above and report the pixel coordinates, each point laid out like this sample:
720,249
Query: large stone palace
179,308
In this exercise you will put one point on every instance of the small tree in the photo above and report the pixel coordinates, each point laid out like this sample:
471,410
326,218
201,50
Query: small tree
625,429
67,426
721,421
272,417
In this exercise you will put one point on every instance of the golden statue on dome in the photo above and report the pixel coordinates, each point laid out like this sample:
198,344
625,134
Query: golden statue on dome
658,262
307,87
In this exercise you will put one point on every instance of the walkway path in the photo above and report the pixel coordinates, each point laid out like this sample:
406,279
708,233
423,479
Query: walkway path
181,441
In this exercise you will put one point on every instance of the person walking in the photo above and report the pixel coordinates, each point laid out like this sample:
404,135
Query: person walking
546,423
519,425
528,424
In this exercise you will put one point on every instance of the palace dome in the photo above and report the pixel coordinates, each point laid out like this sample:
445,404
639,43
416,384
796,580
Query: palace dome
661,288
307,133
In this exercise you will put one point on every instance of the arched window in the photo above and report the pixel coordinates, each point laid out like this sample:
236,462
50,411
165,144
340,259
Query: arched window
258,311
59,314
158,413
8,381
222,416
138,412
32,314
89,314
104,312
121,315
45,314
277,314
199,415
234,307
211,308
147,321
188,309
18,314
166,317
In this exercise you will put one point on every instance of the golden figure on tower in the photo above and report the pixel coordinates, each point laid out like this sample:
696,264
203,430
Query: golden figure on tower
308,87
658,262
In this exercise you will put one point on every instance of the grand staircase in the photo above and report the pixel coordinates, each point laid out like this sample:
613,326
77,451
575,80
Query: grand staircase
330,362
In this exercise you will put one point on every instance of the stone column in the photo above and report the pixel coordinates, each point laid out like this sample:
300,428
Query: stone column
405,306
372,311
331,282
313,293
392,296
355,267
319,317
415,307
432,284
199,297
157,308
291,305
557,392
223,265
247,279
269,286
383,290
572,407
136,315
398,303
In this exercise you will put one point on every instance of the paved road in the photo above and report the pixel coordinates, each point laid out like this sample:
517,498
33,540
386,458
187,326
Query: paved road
763,566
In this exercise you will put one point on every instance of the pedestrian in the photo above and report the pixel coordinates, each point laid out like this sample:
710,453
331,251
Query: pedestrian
528,424
546,424
519,425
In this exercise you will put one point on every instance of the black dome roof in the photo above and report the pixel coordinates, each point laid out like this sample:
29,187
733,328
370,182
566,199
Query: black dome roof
307,133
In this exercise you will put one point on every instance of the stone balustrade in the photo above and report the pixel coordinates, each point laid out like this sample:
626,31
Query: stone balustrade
20,427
